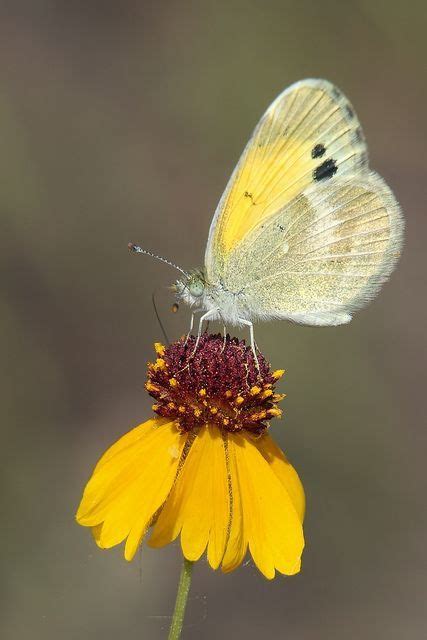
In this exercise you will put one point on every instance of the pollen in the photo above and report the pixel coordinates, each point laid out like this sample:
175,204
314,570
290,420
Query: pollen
159,365
277,397
151,387
174,452
259,416
266,394
278,374
159,349
255,390
224,387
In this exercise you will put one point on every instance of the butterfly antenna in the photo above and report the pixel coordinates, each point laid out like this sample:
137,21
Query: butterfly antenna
134,248
159,320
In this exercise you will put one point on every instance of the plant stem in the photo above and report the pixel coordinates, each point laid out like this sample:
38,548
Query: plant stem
181,600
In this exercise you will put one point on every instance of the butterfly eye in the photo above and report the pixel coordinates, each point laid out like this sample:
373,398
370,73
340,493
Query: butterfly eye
196,288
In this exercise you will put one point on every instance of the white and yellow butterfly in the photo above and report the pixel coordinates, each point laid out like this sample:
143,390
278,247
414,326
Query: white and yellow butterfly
304,231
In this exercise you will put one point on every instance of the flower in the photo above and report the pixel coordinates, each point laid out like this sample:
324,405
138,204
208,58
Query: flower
205,467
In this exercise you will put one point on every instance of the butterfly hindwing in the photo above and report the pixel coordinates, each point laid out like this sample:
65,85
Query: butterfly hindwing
308,136
323,255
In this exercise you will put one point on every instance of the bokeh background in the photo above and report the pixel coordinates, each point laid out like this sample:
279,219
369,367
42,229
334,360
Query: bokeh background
122,121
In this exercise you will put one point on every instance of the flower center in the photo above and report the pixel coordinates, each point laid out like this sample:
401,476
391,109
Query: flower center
216,383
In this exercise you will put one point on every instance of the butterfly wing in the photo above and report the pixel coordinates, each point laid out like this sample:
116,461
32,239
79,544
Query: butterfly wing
323,255
309,134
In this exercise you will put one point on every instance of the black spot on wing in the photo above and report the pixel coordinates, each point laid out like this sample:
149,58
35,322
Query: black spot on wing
325,170
318,151
358,134
350,112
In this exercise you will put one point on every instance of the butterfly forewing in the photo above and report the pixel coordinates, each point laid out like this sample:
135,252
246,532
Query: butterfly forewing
309,135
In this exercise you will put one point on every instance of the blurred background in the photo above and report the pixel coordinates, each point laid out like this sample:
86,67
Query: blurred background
122,122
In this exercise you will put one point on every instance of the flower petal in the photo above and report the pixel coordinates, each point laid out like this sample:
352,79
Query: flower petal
111,466
284,471
130,483
96,532
198,504
127,439
237,543
263,514
221,507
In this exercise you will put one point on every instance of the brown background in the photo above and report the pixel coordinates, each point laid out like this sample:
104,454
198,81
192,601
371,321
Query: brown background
122,121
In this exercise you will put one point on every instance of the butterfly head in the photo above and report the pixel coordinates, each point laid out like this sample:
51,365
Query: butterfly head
192,287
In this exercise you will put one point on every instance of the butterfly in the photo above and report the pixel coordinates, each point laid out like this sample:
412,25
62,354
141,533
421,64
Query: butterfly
305,231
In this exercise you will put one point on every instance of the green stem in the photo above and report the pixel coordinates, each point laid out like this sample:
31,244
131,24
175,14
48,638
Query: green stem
181,600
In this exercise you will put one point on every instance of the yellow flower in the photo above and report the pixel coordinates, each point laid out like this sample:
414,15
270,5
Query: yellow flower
205,468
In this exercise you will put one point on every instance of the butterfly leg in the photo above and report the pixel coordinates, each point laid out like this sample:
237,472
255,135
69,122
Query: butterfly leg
249,324
191,328
224,328
204,317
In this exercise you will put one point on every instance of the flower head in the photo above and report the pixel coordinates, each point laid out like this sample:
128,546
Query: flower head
220,384
206,468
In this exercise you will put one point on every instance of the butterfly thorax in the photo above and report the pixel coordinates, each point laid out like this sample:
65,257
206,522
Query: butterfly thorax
202,295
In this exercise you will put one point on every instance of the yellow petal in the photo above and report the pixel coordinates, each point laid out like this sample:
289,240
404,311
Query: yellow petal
129,438
119,466
96,532
220,496
198,505
266,517
130,483
284,471
237,542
